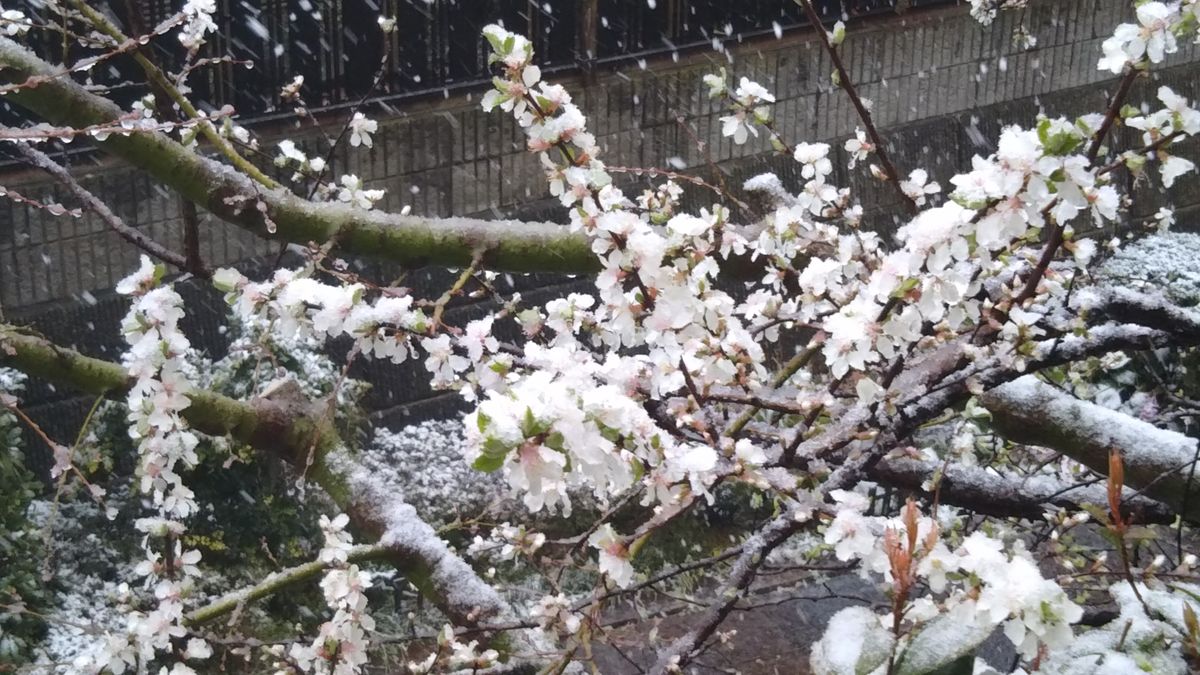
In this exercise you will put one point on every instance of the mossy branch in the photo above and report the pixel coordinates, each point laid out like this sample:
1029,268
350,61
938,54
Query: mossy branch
289,430
276,582
159,80
506,245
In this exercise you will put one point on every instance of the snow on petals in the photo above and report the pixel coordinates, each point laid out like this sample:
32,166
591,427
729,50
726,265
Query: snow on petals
1151,37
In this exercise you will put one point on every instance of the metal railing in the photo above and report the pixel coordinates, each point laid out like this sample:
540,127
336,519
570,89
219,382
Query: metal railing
337,47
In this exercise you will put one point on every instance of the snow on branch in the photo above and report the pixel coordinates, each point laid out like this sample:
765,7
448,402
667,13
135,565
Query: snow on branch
1157,461
1005,494
232,196
284,427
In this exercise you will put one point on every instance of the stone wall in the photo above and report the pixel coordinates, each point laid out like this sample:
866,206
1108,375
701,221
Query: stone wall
942,87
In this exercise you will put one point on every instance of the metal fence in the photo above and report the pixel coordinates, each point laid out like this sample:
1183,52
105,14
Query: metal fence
336,45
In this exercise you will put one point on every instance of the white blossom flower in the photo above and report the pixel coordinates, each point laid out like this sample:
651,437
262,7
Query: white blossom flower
1150,38
737,127
198,21
1173,167
749,92
352,193
815,160
13,22
197,649
1165,218
443,363
553,615
858,147
917,186
289,152
614,557
716,85
361,129
1183,117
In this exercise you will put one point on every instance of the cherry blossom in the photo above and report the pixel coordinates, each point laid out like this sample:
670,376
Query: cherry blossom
614,558
340,646
859,148
361,129
13,22
198,21
352,193
1150,38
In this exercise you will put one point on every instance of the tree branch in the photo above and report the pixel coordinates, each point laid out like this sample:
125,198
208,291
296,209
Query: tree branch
96,205
278,214
289,429
847,84
1055,238
156,77
1006,495
275,583
753,554
1028,410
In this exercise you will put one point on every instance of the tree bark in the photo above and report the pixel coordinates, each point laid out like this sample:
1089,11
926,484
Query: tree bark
1157,462
1007,495
291,430
275,583
506,245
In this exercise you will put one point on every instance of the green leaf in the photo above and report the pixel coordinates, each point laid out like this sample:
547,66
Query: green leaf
1140,533
493,40
973,204
965,665
531,426
1057,143
611,434
942,645
905,286
488,463
1111,537
495,447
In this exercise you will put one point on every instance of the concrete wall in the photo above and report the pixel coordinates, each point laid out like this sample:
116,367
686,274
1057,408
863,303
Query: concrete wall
942,88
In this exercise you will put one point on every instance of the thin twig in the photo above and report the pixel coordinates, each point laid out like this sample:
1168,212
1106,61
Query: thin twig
156,76
1056,231
96,205
847,85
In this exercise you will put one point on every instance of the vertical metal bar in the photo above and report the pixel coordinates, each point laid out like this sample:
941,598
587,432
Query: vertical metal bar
588,20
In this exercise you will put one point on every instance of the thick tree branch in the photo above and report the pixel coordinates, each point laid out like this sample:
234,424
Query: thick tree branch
230,195
289,429
1156,461
1006,495
1152,310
